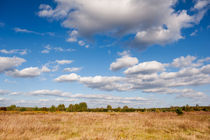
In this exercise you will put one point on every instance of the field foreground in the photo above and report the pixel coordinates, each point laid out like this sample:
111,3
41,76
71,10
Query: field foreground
104,126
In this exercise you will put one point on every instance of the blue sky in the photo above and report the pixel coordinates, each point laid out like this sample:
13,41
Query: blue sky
123,52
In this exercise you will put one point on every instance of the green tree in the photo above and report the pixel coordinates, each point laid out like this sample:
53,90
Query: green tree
61,107
109,108
76,108
12,108
125,108
52,108
119,109
83,106
36,109
70,108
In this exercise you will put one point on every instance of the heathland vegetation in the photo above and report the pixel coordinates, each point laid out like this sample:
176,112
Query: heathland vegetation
77,122
59,125
83,107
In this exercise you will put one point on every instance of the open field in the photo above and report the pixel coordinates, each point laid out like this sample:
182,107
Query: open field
104,126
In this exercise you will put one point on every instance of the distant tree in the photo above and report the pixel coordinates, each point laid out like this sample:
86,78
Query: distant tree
52,108
109,107
3,108
119,109
61,107
179,111
36,109
187,108
197,107
157,110
83,106
76,108
125,108
12,108
44,109
70,108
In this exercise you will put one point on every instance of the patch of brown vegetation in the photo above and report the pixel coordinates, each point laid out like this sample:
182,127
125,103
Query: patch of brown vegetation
104,126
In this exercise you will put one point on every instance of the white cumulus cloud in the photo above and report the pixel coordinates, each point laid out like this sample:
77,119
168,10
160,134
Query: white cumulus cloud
150,21
8,63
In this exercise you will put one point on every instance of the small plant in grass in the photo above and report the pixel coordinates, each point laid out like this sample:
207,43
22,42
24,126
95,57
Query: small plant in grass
179,111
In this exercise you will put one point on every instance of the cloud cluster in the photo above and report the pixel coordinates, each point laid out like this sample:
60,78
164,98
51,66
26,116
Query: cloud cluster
153,77
14,51
8,66
150,21
73,37
91,99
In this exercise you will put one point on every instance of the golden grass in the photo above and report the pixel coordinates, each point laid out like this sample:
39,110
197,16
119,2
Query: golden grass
104,126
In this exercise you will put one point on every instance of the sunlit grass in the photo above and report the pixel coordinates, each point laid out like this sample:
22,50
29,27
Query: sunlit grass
104,126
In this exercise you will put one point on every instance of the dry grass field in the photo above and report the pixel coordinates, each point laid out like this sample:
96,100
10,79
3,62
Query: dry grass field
104,126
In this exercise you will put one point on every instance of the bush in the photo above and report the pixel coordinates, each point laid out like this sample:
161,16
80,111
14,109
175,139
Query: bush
22,109
11,108
179,111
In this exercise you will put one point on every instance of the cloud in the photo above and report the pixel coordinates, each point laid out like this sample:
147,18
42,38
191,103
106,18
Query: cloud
63,62
181,93
25,73
184,62
17,29
22,30
67,78
14,51
91,99
73,69
45,69
29,72
8,63
152,77
145,68
125,61
150,22
48,48
47,93
73,36
3,92
201,4
194,33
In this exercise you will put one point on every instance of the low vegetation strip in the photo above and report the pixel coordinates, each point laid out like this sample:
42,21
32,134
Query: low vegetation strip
104,125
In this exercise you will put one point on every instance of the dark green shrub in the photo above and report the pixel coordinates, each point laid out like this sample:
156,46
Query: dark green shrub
179,111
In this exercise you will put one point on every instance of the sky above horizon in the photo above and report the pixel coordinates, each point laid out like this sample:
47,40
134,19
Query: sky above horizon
140,53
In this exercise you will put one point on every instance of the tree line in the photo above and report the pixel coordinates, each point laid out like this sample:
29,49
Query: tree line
83,107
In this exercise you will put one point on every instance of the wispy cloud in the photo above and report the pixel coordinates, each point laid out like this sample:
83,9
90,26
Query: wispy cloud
15,51
73,69
194,33
22,30
62,62
48,48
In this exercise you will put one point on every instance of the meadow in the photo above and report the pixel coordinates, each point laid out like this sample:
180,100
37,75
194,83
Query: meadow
15,125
